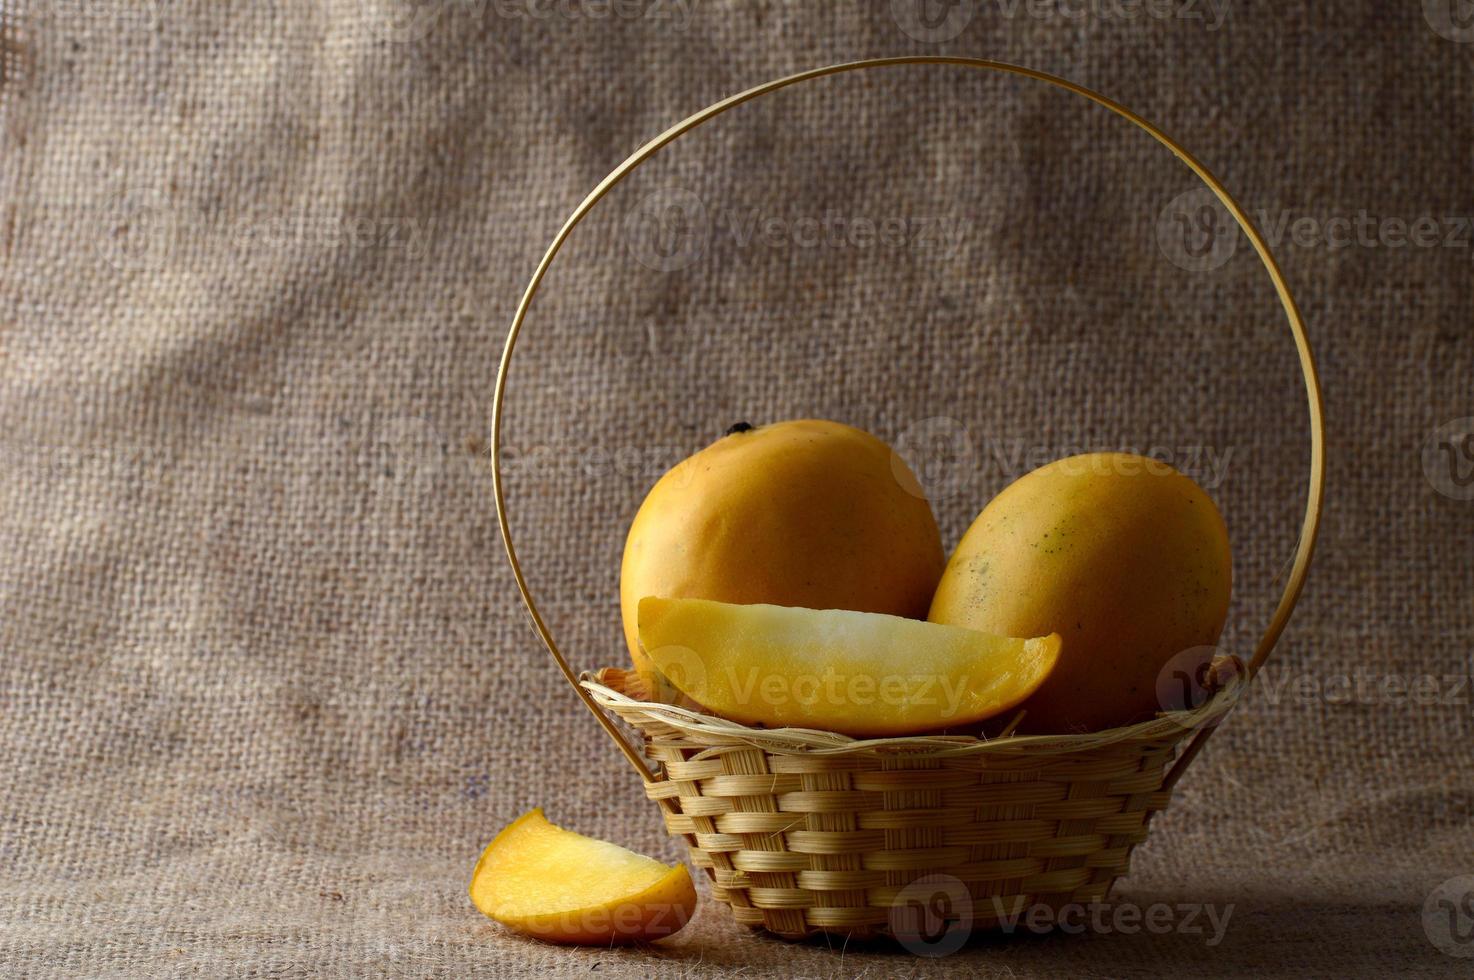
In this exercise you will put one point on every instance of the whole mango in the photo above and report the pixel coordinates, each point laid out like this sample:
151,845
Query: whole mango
1123,556
801,513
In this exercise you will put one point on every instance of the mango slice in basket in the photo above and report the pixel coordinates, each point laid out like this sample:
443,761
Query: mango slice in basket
558,886
863,674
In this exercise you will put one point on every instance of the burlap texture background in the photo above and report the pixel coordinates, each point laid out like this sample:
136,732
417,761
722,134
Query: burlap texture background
266,688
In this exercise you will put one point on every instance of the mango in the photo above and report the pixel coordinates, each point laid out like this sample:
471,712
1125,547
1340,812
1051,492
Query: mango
1124,557
863,674
562,887
802,513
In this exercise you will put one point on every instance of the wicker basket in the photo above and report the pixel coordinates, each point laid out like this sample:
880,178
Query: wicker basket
803,832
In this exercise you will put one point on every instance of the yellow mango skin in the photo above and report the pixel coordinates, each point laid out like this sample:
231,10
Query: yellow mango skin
862,674
801,513
562,887
1123,556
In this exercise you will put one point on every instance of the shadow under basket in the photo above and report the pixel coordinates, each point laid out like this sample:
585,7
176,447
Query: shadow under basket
804,832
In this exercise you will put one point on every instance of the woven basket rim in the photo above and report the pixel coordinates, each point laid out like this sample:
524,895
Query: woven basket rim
715,731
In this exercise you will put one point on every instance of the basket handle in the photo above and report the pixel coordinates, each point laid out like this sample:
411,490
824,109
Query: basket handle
1293,584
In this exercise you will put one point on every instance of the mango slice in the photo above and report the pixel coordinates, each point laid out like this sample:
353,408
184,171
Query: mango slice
863,674
562,887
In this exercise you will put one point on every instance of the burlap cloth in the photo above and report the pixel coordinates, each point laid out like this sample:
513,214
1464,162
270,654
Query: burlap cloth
266,687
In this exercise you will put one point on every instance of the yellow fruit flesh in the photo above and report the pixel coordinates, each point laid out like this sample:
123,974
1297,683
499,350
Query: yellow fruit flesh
863,674
559,886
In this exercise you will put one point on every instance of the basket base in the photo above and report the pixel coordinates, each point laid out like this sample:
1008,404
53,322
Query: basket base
895,838
934,909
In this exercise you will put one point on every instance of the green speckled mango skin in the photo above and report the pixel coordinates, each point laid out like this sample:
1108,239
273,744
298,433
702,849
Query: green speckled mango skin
1124,557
